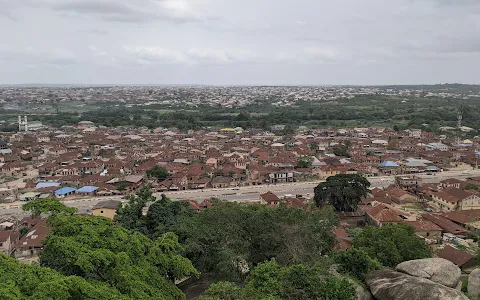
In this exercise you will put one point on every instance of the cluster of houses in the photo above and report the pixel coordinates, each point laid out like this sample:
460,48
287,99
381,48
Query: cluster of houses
86,160
445,214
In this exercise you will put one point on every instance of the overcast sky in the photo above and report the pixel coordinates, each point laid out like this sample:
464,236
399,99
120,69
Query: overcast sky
239,42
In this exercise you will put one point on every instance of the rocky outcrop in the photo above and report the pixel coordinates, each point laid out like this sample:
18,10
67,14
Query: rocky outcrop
474,284
392,285
438,270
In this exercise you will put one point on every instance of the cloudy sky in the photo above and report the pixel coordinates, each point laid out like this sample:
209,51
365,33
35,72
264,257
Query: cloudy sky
239,42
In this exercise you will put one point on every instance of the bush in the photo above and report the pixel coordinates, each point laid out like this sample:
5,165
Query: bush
356,263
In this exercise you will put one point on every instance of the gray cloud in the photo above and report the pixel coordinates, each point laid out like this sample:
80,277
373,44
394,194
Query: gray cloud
240,42
128,10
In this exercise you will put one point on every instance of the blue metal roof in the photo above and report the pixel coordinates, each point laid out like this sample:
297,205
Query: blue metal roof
388,164
87,189
46,184
65,190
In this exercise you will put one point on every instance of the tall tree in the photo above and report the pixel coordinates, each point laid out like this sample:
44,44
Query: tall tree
341,150
228,239
96,249
271,281
342,191
130,215
305,161
392,244
158,172
161,215
19,281
47,206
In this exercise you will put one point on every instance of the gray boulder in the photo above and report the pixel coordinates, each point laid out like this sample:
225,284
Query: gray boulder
392,285
459,286
436,269
474,284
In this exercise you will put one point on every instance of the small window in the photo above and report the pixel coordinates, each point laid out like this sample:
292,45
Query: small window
101,211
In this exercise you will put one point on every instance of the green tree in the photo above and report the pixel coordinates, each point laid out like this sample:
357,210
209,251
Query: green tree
341,150
356,263
19,281
161,217
392,244
271,281
342,191
122,186
313,146
158,172
228,239
304,161
47,206
164,214
130,215
288,130
472,186
96,249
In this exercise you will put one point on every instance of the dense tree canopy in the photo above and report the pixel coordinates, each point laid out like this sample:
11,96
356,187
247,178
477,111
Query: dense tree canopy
392,244
130,215
96,249
158,172
23,282
162,214
356,263
228,239
271,281
341,150
47,206
343,191
305,161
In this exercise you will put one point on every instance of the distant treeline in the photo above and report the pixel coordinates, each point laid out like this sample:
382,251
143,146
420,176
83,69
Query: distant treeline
405,112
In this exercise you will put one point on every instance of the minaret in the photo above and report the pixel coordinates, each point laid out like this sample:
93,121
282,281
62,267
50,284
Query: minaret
26,124
19,123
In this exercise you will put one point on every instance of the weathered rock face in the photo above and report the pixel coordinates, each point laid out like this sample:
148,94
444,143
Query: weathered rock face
474,284
436,269
391,285
363,293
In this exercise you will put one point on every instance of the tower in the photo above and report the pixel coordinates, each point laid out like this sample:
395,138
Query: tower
459,125
22,125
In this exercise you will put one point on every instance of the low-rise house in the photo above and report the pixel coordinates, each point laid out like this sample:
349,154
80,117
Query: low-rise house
450,182
389,167
64,192
401,196
8,239
87,190
468,219
221,182
381,214
8,194
133,182
343,240
31,243
408,183
107,209
270,199
426,229
282,176
462,259
452,199
446,225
